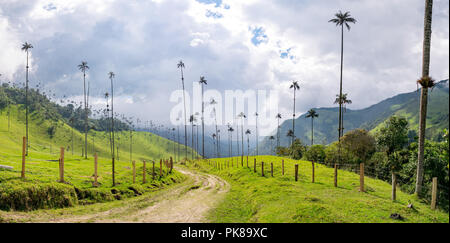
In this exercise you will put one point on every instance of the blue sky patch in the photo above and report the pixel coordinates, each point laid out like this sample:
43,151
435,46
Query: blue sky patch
211,14
217,2
259,36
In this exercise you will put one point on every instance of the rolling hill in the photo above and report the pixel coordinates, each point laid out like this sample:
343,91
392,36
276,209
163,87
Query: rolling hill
404,105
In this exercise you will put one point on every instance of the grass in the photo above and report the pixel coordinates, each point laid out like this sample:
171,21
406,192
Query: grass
42,163
256,199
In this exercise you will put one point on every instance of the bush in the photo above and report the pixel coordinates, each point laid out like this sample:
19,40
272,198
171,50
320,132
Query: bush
26,196
316,153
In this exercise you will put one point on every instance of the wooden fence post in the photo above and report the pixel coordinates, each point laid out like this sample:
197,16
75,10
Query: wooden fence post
134,172
394,186
61,165
144,174
434,193
262,168
271,169
282,167
95,169
335,175
160,168
254,165
171,165
361,177
24,144
153,171
313,174
296,172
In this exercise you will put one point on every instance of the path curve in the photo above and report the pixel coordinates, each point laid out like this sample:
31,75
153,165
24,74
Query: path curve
188,203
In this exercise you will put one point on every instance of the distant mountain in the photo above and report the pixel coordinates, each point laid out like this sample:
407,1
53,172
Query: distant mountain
404,105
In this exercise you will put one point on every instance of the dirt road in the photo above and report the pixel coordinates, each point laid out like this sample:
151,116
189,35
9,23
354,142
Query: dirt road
188,202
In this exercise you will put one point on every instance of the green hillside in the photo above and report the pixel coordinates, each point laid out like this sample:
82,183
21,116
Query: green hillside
405,105
42,163
280,199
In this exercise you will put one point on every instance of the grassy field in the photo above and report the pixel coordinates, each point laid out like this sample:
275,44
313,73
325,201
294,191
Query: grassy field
42,163
281,199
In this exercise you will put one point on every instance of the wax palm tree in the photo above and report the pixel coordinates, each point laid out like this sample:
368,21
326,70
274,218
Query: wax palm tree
213,102
242,116
278,129
230,142
248,132
202,82
111,76
341,20
290,133
26,48
72,121
271,138
426,82
342,101
192,119
214,141
256,137
83,67
295,87
312,114
181,66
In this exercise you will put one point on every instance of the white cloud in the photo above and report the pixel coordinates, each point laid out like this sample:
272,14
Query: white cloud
142,42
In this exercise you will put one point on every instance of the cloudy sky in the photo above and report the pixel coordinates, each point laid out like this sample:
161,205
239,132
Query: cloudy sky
235,44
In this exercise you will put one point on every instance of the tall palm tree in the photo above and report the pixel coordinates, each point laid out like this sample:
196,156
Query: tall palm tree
202,82
278,129
242,116
72,120
83,67
181,66
111,77
312,114
426,82
271,138
213,102
26,47
295,87
230,142
290,133
214,141
256,137
341,20
192,119
342,101
248,132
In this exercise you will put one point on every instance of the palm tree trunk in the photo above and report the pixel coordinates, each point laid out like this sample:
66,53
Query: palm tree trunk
203,125
185,119
85,120
26,106
312,131
293,122
424,94
278,133
257,152
112,134
242,138
192,137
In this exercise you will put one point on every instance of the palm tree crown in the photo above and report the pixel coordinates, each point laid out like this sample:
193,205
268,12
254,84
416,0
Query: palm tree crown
203,80
111,75
295,85
248,132
83,66
26,46
312,113
180,64
343,19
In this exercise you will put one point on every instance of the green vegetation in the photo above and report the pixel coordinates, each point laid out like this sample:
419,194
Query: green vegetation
253,198
40,189
371,118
